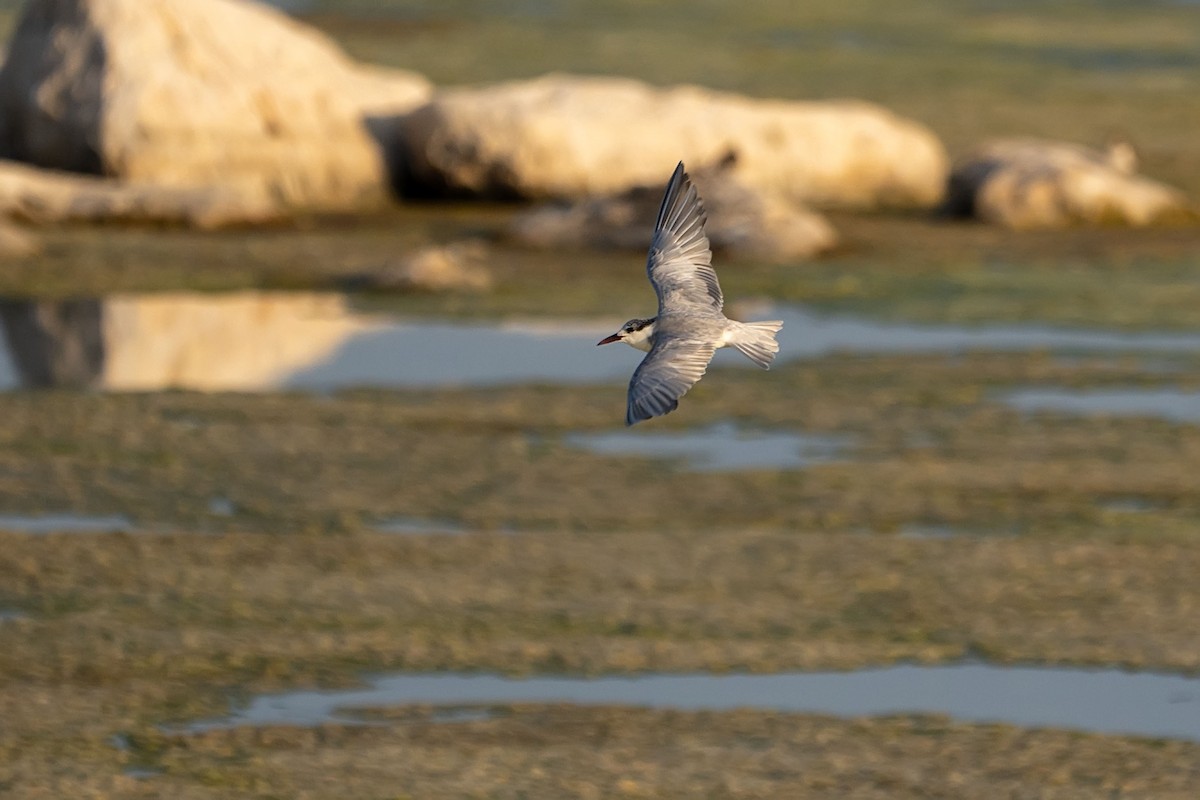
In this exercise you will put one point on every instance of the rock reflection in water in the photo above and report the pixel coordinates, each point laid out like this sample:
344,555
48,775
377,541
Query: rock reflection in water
55,342
261,341
236,341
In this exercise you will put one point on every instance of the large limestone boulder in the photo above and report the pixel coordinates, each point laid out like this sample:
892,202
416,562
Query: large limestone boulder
569,136
198,92
741,221
49,196
1034,183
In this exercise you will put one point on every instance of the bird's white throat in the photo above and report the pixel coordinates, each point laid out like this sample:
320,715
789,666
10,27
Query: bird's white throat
643,340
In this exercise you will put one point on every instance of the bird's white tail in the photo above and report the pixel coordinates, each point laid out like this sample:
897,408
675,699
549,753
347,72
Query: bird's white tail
756,341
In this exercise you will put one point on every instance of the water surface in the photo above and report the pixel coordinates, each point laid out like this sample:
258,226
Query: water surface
419,525
318,341
1175,405
1099,700
809,334
64,523
1128,505
926,530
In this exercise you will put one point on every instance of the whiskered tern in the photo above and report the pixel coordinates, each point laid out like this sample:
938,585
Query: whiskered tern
690,326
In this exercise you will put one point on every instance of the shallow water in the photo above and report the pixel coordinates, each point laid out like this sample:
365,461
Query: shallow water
142,774
266,341
414,354
1101,700
222,507
10,378
936,530
920,530
419,525
1128,505
1175,405
64,523
719,448
810,334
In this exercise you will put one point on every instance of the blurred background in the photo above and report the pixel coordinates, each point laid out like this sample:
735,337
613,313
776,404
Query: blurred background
314,484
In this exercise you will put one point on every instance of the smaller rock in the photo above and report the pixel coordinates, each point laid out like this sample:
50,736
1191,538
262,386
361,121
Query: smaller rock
454,267
1034,183
48,196
741,221
45,196
16,242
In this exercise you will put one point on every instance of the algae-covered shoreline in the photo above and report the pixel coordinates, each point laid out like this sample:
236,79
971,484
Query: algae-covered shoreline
125,633
581,564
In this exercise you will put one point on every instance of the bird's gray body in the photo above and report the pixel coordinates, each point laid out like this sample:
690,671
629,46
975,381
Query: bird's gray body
690,325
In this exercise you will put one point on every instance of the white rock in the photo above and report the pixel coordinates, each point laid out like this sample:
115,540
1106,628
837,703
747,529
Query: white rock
453,267
741,221
198,92
570,136
1034,183
16,242
50,196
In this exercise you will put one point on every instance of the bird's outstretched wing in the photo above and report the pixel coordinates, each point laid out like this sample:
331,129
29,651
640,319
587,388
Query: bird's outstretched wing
671,368
680,260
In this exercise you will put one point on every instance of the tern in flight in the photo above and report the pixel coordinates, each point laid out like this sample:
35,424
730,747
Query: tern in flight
689,327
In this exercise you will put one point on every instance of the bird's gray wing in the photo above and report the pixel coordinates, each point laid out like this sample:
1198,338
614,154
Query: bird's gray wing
671,368
680,260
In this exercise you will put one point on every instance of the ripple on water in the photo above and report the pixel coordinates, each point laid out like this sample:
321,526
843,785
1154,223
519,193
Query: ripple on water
1174,405
419,526
1130,504
719,448
64,523
941,531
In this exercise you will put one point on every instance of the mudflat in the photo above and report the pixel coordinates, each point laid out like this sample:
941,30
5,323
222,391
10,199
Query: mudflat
953,526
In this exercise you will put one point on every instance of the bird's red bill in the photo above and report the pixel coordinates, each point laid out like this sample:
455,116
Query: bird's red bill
616,337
